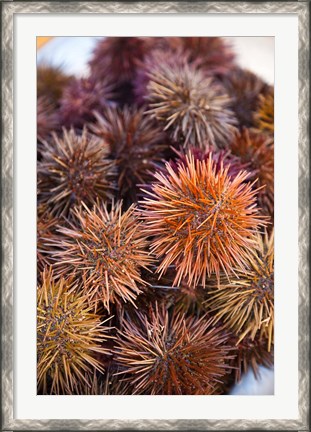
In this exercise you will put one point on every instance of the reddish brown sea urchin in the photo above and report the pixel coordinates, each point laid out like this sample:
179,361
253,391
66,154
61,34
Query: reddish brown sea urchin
74,168
105,384
183,298
213,54
200,220
118,57
264,116
69,335
245,304
163,354
47,119
257,150
107,250
81,97
136,144
192,107
244,88
251,353
188,299
51,81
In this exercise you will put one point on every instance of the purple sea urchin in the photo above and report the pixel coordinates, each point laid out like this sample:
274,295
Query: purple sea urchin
223,159
244,89
136,144
83,96
118,57
213,54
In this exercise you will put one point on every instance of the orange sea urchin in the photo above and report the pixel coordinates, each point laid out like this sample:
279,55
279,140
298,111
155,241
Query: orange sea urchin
200,220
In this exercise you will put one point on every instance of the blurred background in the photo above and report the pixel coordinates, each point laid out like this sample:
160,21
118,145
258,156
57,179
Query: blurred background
73,53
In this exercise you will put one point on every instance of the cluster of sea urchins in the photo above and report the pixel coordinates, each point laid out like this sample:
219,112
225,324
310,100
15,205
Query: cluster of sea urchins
155,221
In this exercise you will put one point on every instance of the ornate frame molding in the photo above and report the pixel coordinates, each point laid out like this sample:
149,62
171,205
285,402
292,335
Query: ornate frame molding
9,8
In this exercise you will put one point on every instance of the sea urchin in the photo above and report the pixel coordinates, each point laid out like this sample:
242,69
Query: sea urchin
200,219
107,250
163,354
192,107
136,144
69,335
245,304
74,168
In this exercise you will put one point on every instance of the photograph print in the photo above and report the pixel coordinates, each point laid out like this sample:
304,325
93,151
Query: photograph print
155,216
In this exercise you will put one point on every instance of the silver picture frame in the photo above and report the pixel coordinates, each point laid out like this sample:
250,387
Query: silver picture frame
9,9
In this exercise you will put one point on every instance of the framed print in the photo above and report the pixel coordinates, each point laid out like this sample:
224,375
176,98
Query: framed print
155,216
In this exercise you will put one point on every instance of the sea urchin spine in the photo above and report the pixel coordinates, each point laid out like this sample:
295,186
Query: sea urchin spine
200,220
136,144
69,335
245,304
107,250
74,168
163,354
192,107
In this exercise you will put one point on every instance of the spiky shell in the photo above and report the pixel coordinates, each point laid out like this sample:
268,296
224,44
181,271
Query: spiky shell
264,116
47,119
83,96
136,144
244,89
104,384
200,220
251,353
74,168
213,54
257,150
51,81
107,251
118,57
69,335
245,304
222,158
193,108
159,58
46,229
163,354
